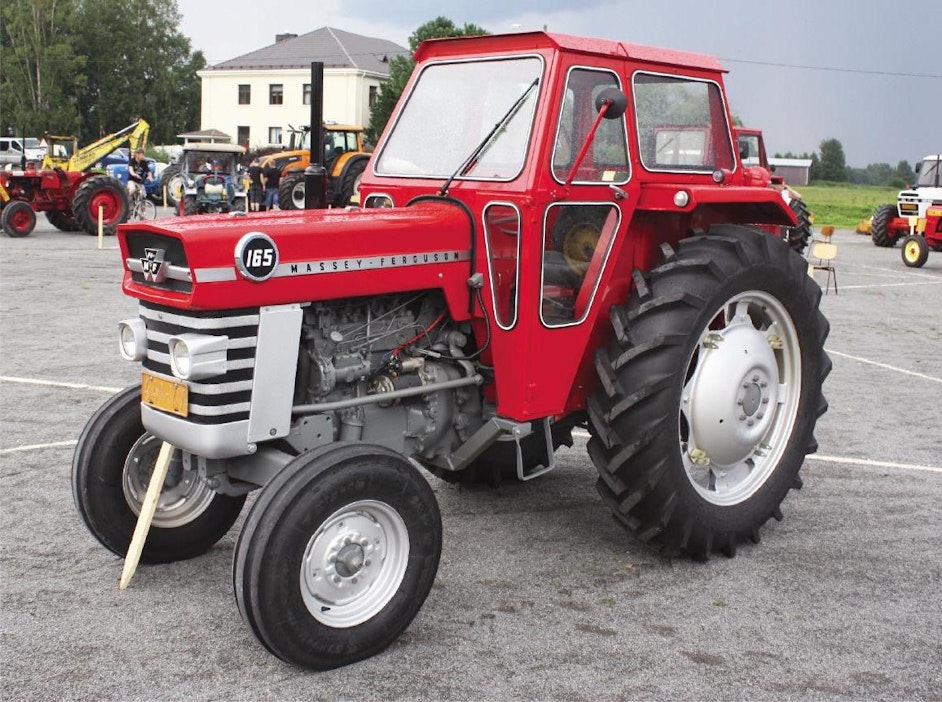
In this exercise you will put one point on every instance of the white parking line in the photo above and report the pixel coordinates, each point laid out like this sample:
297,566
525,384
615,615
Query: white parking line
890,285
875,464
57,384
38,447
909,273
846,460
884,365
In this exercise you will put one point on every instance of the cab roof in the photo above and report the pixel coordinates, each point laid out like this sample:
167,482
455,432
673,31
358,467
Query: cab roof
530,41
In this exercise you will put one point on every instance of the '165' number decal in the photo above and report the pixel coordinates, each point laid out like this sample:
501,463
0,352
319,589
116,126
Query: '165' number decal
256,256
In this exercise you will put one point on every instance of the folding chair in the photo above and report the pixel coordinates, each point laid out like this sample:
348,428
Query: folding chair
821,258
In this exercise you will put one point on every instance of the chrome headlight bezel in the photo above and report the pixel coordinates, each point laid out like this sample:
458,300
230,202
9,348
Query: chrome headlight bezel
132,339
198,356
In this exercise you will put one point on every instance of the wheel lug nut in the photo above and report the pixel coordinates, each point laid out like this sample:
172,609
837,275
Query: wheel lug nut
336,578
759,415
755,379
367,563
742,416
750,422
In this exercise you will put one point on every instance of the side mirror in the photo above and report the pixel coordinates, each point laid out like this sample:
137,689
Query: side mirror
918,167
616,100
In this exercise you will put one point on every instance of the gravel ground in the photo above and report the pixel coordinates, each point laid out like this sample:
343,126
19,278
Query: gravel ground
540,595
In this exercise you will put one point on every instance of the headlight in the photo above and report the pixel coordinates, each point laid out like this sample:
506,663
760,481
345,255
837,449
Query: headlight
196,356
132,339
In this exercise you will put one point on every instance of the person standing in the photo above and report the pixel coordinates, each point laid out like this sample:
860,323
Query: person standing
271,177
256,189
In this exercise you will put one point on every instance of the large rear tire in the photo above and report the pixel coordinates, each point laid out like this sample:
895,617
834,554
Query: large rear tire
105,192
172,180
291,192
880,232
63,221
18,219
337,555
709,392
111,468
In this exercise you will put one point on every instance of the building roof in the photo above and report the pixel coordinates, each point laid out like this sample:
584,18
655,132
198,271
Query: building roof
791,162
206,135
334,47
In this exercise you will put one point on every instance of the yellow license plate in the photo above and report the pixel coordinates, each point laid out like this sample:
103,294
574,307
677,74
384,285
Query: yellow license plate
167,395
932,212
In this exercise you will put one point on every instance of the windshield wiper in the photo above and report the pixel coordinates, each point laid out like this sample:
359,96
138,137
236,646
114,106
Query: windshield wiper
486,141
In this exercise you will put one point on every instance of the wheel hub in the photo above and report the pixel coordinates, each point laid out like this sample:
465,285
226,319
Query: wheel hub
728,398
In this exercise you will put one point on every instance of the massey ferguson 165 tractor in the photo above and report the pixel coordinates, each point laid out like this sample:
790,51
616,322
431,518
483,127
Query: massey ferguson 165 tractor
552,236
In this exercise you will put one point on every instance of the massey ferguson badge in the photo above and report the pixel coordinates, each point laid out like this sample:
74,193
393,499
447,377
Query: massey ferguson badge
556,232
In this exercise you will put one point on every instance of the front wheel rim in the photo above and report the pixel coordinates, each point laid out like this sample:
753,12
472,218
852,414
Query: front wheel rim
354,563
912,251
183,497
740,400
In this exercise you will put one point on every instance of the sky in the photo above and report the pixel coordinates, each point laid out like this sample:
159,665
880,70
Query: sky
862,71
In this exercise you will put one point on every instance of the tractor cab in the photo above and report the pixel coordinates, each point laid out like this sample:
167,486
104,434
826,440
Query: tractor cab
213,180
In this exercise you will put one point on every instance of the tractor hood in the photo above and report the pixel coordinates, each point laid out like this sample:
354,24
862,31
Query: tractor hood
229,262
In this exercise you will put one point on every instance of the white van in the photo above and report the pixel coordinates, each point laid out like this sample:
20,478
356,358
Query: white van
11,150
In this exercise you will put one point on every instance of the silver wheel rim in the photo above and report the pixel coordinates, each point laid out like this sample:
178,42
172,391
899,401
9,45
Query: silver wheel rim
740,400
297,195
184,496
354,564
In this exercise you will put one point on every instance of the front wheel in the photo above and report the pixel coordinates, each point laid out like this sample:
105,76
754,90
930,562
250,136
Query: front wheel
915,251
18,219
111,468
799,235
291,192
709,392
337,555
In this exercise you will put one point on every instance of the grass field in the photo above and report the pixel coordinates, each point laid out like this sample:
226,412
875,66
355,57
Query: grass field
843,205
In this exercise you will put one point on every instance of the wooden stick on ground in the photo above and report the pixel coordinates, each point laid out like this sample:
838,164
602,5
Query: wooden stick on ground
147,515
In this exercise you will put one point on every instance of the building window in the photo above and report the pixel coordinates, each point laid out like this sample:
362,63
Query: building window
245,94
374,93
274,135
243,136
306,97
276,94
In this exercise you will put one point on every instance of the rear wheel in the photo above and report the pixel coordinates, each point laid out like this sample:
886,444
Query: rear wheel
337,555
709,392
915,251
104,193
172,180
291,192
63,221
880,231
350,180
18,219
111,469
799,235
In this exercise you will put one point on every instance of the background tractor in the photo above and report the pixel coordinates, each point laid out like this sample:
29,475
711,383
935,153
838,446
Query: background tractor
66,188
344,159
535,252
752,151
212,179
925,235
890,223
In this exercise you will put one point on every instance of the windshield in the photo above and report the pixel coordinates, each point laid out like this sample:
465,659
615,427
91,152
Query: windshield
452,108
929,174
210,162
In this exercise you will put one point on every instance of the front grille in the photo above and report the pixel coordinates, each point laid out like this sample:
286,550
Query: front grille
226,398
177,270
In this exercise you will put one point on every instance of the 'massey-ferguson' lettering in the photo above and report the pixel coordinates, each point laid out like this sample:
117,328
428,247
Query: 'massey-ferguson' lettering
338,265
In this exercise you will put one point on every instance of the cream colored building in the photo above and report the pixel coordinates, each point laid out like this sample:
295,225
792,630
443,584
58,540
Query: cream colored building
257,97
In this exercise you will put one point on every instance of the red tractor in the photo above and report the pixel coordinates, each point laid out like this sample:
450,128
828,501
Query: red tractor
536,252
752,151
67,189
890,223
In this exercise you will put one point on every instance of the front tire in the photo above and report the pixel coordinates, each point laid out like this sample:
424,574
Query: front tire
63,221
291,192
915,251
18,219
337,555
709,392
350,180
110,471
172,180
799,235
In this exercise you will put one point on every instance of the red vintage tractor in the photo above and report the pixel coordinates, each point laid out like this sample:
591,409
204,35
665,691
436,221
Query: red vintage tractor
890,223
753,153
66,187
535,252
926,234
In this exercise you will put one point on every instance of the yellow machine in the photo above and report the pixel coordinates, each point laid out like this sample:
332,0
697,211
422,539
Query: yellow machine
63,151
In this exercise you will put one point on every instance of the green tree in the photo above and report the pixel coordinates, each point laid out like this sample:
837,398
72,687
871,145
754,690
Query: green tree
139,65
905,172
42,72
400,68
833,165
